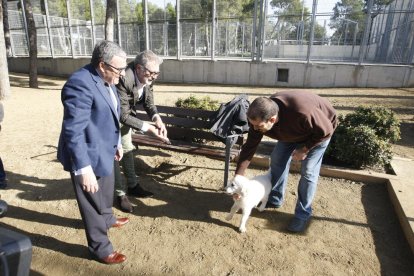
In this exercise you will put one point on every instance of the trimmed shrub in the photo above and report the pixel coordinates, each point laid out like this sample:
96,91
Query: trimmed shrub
205,103
363,138
382,120
361,147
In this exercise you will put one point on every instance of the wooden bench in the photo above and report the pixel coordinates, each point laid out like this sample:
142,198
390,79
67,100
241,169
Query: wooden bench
188,131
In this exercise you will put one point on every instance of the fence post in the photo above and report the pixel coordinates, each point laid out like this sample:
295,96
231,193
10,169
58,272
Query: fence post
262,24
92,23
243,31
259,35
178,30
362,48
25,25
354,40
118,25
405,30
312,33
411,55
165,32
49,33
70,28
146,27
226,43
195,39
213,30
254,40
262,30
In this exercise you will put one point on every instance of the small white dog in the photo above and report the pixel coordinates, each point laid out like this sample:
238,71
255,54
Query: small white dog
247,194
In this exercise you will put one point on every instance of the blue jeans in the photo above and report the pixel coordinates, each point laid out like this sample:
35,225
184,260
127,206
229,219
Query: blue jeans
279,167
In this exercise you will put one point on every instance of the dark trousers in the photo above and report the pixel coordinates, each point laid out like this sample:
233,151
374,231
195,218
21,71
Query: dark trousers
96,212
2,172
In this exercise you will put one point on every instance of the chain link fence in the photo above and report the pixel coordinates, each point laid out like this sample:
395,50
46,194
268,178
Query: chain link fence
304,35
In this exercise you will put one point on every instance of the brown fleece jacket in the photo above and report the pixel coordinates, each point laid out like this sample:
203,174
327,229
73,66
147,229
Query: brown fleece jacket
304,117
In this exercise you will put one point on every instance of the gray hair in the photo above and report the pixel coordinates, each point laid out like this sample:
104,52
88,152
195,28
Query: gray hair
105,51
262,109
147,56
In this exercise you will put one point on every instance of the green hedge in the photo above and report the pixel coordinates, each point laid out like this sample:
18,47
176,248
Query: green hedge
205,103
383,121
363,138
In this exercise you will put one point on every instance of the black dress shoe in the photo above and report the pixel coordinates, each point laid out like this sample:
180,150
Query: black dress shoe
270,205
3,184
137,191
124,204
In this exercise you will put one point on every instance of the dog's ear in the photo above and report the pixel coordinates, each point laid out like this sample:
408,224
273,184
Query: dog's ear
229,182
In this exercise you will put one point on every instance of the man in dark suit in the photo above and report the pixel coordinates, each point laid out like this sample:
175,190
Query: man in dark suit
136,87
90,141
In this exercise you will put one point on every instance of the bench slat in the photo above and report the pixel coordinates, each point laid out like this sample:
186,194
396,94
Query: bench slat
182,146
178,133
184,124
178,121
190,128
181,111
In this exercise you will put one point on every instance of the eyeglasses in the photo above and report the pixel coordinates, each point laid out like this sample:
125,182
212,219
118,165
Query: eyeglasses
116,69
151,73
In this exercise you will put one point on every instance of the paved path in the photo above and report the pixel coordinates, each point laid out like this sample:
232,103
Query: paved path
401,191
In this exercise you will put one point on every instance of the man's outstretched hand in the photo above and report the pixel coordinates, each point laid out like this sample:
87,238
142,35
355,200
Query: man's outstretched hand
161,135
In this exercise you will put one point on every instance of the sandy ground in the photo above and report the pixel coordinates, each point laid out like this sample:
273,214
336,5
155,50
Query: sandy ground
182,230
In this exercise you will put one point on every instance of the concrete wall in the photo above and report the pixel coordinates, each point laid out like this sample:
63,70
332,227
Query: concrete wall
242,72
323,52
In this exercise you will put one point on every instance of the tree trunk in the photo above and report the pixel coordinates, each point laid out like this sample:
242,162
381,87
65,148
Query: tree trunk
110,19
32,44
6,28
4,71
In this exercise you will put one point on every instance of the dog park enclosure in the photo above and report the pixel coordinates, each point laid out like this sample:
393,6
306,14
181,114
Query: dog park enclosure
182,230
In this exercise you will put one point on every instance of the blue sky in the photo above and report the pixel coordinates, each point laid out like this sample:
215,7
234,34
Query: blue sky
324,6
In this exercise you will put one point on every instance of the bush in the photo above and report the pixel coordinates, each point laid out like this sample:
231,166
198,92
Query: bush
361,147
362,138
205,103
382,120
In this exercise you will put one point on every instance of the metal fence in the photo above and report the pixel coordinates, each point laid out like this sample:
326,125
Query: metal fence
382,35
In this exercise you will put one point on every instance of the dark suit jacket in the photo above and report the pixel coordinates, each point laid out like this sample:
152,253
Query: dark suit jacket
90,128
128,95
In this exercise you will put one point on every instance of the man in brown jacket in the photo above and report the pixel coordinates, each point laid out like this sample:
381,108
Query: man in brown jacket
303,124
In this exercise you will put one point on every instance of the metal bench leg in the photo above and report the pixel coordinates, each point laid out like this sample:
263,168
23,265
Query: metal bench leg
227,161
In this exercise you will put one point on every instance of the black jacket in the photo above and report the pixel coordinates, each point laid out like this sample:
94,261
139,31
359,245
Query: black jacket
231,119
128,96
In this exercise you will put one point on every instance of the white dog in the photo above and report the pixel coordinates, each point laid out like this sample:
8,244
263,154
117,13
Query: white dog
247,194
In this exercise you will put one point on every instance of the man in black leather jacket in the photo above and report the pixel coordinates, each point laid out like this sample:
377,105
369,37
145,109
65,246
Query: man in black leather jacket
134,89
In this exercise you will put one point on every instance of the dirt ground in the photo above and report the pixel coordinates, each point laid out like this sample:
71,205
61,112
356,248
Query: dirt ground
182,230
